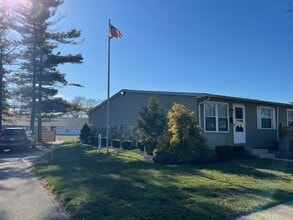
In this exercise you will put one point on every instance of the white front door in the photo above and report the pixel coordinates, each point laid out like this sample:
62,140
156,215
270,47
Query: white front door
239,127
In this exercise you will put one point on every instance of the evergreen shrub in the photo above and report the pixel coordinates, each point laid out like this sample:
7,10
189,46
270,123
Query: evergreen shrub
224,152
126,144
103,142
239,152
183,142
85,134
116,143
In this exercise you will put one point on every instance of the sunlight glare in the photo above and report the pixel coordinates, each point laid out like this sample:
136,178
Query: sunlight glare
12,5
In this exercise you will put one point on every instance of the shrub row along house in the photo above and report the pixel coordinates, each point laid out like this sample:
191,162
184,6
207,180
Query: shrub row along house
223,120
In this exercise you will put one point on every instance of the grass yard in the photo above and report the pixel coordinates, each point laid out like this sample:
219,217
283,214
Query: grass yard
67,138
124,186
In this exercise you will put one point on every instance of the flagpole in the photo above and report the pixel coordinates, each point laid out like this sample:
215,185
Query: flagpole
108,92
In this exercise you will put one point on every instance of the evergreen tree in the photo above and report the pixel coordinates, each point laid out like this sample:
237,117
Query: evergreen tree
85,133
7,56
40,78
151,124
183,142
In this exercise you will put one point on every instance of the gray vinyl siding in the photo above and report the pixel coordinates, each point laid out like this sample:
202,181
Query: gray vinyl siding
258,137
283,116
124,108
254,137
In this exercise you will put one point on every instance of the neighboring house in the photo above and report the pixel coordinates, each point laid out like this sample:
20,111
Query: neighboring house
65,126
224,120
62,126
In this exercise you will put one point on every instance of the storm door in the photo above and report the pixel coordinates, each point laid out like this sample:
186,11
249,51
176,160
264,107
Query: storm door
239,127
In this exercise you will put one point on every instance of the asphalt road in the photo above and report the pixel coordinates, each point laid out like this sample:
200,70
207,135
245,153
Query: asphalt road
22,196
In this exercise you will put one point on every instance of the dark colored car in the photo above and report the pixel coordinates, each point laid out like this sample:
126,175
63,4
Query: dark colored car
16,138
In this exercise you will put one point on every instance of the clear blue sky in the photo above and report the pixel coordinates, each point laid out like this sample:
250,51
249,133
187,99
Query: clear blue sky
240,48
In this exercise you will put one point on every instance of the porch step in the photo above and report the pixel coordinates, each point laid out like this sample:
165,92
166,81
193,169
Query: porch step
257,151
261,153
268,155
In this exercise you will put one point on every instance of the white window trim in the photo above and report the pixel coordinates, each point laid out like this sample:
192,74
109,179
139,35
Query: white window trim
288,110
273,118
217,117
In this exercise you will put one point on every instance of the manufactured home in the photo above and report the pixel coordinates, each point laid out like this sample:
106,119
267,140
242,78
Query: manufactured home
223,120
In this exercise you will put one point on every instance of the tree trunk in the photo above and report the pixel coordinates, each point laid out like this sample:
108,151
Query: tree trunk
2,90
33,112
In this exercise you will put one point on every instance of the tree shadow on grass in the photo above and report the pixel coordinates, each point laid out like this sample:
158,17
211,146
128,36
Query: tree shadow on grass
121,186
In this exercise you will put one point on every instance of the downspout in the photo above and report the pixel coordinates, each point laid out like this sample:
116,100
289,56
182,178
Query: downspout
199,112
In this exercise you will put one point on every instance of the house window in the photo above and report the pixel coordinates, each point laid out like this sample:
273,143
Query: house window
216,117
266,118
290,118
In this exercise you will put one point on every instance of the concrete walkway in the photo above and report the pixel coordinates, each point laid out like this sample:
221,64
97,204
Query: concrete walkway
279,212
22,196
30,159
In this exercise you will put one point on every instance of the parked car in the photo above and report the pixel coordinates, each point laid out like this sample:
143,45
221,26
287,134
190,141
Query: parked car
17,138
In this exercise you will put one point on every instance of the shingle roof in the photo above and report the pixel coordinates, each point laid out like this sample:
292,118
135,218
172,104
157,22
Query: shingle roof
197,95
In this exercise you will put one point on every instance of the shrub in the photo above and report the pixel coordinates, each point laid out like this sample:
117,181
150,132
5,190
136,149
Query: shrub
85,134
116,143
183,141
94,140
103,142
164,156
239,152
140,146
149,146
126,144
224,152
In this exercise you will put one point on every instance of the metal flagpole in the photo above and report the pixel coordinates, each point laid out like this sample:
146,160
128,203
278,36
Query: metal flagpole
108,93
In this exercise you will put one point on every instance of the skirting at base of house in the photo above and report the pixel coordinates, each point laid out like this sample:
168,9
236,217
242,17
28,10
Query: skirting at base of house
286,145
123,132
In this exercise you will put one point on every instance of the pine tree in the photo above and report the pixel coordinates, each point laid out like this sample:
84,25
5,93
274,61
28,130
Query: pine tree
84,135
151,124
40,77
7,56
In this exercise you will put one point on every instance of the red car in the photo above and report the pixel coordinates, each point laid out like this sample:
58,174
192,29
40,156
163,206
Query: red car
16,138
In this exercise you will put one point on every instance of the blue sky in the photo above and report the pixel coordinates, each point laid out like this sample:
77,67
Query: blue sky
240,48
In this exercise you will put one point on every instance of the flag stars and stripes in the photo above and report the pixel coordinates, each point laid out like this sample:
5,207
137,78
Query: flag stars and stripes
114,32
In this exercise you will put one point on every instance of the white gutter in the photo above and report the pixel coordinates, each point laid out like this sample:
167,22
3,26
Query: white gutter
199,113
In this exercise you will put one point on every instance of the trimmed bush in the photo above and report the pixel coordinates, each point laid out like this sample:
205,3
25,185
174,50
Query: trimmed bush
126,144
140,146
116,143
239,152
224,152
163,156
94,141
103,141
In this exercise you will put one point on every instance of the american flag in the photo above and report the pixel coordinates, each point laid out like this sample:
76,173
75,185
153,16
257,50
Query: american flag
114,32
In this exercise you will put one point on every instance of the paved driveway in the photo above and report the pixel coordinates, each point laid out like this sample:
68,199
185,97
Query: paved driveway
22,196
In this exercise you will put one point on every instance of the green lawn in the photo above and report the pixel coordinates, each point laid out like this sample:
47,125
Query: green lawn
67,138
125,186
